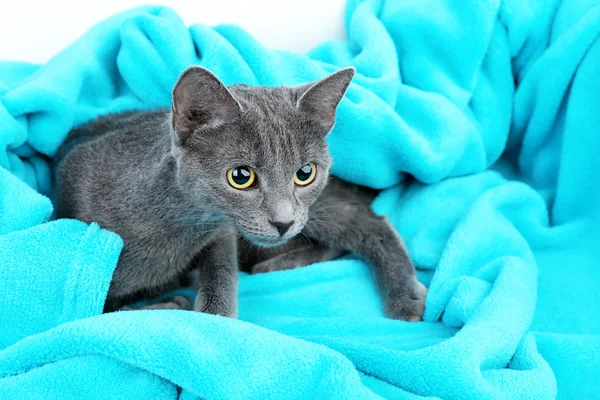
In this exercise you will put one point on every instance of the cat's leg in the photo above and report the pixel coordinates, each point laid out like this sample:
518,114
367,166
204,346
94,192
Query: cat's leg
352,226
217,277
301,256
172,303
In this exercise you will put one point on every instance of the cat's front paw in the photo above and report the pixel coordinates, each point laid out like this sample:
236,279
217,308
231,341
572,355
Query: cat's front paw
172,303
408,303
274,265
261,267
217,306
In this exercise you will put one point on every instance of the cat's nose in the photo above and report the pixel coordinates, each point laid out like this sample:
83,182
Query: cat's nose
282,227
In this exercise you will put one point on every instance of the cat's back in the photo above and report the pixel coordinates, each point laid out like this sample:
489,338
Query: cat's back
106,155
124,132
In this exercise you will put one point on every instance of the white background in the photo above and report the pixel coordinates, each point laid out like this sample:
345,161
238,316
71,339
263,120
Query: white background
36,30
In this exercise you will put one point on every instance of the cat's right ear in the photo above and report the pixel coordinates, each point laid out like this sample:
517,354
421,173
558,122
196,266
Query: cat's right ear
321,99
201,102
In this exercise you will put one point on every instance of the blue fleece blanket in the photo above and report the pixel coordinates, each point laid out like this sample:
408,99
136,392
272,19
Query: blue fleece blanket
479,120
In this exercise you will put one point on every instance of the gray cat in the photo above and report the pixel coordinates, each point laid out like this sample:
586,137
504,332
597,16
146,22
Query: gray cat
226,168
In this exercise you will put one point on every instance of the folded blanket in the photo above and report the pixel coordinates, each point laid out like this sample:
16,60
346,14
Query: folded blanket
479,121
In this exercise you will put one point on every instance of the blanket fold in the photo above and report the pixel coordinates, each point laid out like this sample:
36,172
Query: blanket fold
477,119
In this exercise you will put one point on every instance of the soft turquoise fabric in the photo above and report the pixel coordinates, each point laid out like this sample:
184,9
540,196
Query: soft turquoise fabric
479,119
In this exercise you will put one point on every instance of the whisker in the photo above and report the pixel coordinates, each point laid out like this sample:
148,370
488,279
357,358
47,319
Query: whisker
321,209
303,235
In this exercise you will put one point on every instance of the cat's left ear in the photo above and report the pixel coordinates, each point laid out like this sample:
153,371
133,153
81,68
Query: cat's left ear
321,99
200,102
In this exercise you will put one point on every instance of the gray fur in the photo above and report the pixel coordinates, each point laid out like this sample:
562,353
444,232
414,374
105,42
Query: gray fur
158,179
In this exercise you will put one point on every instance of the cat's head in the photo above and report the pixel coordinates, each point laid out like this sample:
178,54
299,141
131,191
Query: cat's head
257,155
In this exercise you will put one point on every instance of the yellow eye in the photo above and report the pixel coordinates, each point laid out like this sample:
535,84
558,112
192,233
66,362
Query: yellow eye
241,177
306,174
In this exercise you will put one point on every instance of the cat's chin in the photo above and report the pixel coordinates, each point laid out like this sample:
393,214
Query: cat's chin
266,242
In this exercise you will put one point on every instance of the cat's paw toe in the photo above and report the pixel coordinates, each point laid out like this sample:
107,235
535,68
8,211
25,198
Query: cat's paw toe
407,304
261,268
180,302
172,303
216,306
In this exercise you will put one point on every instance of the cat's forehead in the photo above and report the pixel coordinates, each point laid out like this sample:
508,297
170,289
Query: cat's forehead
272,115
271,132
268,102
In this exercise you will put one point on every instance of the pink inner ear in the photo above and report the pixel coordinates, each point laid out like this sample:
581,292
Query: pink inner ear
183,125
